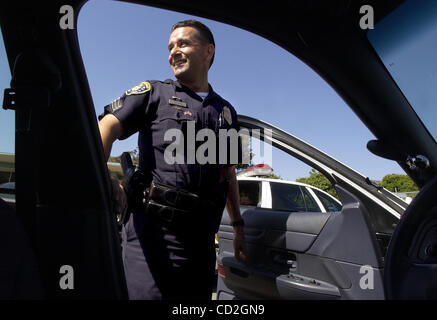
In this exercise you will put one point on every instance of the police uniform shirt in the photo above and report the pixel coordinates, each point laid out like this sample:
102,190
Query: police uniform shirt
152,108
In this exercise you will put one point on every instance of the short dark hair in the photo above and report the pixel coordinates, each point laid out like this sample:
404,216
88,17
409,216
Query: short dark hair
204,32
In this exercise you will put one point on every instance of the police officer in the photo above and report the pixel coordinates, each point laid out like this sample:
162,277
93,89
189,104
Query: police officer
168,244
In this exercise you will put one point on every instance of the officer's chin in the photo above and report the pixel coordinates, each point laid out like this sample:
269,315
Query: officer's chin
182,76
177,73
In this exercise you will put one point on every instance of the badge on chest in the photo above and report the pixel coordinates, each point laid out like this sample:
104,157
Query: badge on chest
176,101
227,115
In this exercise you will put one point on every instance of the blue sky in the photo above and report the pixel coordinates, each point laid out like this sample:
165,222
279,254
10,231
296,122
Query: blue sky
7,117
124,44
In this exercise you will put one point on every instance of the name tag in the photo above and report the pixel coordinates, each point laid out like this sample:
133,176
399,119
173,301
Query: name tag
177,103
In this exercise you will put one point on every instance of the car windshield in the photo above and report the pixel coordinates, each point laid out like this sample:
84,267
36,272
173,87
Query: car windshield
406,42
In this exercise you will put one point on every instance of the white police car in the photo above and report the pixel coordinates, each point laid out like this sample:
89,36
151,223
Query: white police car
256,190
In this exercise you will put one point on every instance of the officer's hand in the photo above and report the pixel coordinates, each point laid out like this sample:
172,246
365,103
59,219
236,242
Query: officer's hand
120,199
239,245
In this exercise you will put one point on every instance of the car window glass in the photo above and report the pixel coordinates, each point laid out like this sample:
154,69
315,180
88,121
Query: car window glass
405,42
287,197
311,204
249,193
7,130
329,204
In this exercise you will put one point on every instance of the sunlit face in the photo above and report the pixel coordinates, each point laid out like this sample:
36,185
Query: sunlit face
189,57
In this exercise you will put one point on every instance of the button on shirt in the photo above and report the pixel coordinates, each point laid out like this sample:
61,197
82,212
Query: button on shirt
152,108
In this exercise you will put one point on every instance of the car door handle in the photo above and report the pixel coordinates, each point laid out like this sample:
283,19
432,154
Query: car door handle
293,284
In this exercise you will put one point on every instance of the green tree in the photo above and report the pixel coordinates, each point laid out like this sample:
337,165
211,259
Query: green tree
398,183
274,176
318,180
135,155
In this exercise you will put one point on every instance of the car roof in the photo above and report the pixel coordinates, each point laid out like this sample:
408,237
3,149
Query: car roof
273,180
285,182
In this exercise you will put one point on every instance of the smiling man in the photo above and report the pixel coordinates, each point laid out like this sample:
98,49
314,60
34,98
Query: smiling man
168,243
191,48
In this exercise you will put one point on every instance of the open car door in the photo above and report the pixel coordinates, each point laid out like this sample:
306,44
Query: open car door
63,223
311,255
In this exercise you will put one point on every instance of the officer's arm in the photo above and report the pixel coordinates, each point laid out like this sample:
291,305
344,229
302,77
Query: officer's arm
233,207
233,202
110,130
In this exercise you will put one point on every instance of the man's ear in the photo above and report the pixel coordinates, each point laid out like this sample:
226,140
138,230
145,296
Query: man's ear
210,49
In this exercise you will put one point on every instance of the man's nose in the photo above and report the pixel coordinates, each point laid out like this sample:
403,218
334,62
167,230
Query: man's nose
174,55
174,50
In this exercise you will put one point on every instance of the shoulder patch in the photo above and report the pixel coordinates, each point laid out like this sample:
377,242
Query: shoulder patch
141,88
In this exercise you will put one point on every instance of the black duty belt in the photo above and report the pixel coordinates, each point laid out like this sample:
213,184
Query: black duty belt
177,205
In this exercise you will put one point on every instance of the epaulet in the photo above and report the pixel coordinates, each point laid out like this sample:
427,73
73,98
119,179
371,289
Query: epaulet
161,82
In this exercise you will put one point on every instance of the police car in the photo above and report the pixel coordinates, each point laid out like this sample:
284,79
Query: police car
256,190
259,191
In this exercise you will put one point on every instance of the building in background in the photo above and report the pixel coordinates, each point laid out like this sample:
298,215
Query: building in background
7,168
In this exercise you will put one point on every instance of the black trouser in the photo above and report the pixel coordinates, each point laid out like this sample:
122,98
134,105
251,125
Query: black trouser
162,261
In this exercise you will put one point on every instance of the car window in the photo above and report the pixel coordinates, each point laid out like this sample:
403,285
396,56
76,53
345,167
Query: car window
329,204
287,197
289,95
310,203
249,193
7,130
405,42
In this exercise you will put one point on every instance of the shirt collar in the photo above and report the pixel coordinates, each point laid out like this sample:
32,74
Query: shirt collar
181,87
